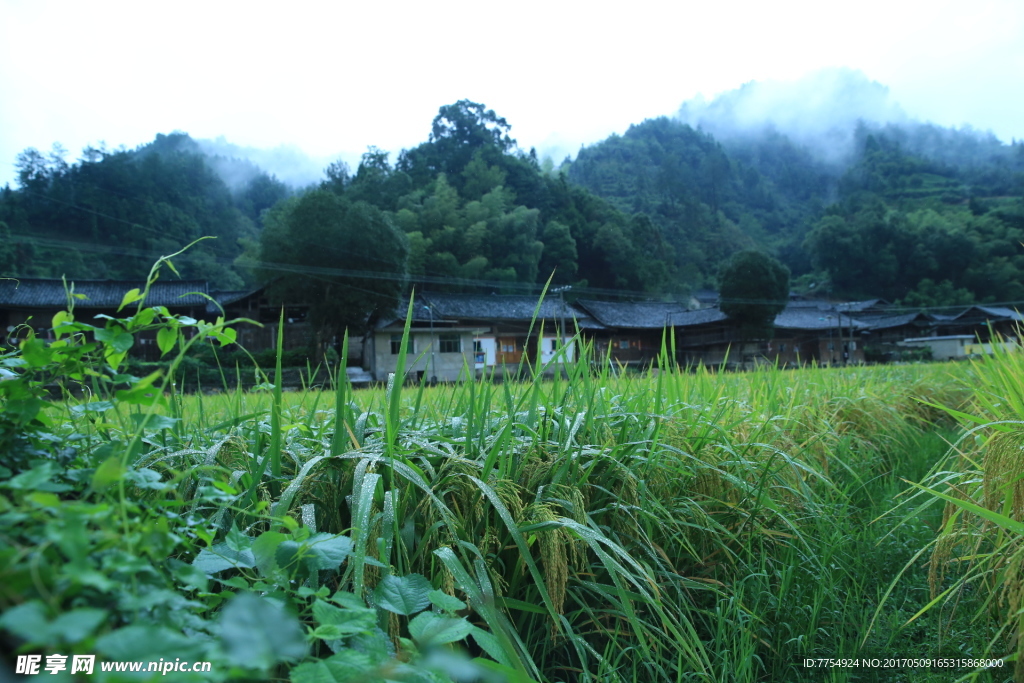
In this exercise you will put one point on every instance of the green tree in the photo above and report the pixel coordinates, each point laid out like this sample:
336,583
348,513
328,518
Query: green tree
559,254
928,293
345,260
754,288
8,256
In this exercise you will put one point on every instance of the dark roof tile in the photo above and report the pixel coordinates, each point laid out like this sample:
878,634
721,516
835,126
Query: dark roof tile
105,294
804,319
702,316
633,314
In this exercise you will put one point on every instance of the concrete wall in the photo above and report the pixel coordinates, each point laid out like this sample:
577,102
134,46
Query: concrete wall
423,356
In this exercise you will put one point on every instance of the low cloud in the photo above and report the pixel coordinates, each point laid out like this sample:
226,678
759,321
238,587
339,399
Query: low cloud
820,111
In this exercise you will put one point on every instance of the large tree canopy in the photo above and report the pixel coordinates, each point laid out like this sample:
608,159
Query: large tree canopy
344,259
754,289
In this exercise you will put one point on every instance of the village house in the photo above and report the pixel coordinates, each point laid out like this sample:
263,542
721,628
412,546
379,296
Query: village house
32,302
815,333
453,336
982,322
707,337
631,333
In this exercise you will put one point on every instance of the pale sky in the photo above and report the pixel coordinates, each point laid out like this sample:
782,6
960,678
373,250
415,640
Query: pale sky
331,78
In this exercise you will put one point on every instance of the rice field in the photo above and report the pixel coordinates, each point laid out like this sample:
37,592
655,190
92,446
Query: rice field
599,526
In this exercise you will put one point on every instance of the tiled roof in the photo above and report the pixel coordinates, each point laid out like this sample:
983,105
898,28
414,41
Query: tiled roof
861,306
891,321
489,308
106,294
698,317
420,313
634,314
226,298
705,296
811,304
499,307
997,311
803,319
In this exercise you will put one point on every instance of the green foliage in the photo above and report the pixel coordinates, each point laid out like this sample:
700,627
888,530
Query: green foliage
123,544
479,210
929,294
706,204
633,528
122,209
337,242
754,288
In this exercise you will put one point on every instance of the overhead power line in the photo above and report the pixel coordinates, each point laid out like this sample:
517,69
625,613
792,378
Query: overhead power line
325,271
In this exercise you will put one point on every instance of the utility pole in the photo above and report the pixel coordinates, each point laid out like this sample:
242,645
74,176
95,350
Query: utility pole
433,362
561,313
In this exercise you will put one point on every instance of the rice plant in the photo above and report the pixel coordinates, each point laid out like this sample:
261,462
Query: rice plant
667,525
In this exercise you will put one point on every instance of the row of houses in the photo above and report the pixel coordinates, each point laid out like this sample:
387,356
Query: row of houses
451,335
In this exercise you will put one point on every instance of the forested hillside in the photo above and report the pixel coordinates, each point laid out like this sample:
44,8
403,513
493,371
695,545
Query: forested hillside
915,213
906,211
112,213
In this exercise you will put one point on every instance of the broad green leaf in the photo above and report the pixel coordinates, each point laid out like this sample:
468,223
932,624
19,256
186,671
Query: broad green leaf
35,352
116,338
346,599
489,644
189,575
108,473
131,296
430,628
166,337
328,551
264,549
92,407
346,665
286,554
403,595
445,602
77,625
138,396
227,336
142,318
236,540
27,620
35,479
59,319
150,642
348,620
258,632
154,422
327,632
221,557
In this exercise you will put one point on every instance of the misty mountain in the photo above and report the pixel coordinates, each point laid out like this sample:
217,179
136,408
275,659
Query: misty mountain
113,213
820,112
237,164
827,117
828,174
831,175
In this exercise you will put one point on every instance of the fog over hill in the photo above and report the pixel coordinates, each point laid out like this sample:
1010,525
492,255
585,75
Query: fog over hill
289,164
829,112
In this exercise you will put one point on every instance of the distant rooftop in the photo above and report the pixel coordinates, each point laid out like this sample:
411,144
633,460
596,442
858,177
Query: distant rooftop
99,294
634,314
499,307
800,318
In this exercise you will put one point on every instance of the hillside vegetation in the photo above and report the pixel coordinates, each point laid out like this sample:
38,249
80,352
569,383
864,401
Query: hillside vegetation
674,526
910,212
